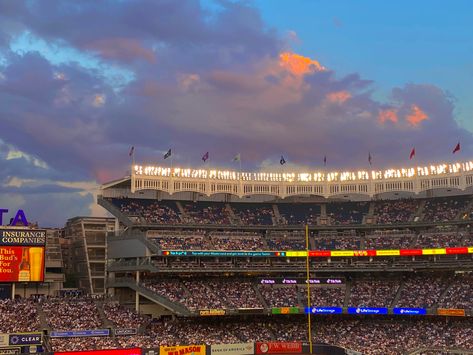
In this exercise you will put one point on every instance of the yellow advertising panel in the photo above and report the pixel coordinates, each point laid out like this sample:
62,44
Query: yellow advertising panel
470,250
388,252
342,253
3,340
434,251
182,350
296,253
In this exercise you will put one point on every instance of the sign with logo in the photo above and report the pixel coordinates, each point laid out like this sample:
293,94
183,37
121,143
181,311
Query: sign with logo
134,351
324,310
18,219
279,348
212,312
10,351
127,331
451,312
285,310
302,281
182,350
81,333
26,237
367,310
21,264
410,311
25,339
232,349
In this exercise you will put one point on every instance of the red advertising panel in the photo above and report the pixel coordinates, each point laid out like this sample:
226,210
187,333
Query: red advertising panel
279,348
21,263
410,252
319,253
457,250
135,351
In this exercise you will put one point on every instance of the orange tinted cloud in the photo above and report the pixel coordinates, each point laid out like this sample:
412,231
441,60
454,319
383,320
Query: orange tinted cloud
338,97
416,116
298,64
388,115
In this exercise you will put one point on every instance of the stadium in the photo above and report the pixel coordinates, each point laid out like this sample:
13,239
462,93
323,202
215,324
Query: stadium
208,261
236,177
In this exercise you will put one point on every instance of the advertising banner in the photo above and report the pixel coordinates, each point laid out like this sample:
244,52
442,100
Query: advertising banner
320,253
25,339
81,333
182,350
212,312
127,331
285,310
279,348
410,311
21,264
23,237
388,252
324,310
410,252
457,250
367,310
451,312
10,351
296,254
223,253
302,281
342,253
134,351
232,349
439,251
3,340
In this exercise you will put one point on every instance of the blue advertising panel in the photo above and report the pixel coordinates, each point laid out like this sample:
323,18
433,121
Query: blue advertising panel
81,333
25,339
324,310
367,310
410,311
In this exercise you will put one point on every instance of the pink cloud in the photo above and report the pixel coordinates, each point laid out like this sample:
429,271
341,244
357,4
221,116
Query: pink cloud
388,115
416,116
338,97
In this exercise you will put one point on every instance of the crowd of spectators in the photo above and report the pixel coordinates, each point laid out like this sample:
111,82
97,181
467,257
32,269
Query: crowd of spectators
368,335
299,213
280,296
459,294
422,291
150,211
206,213
18,316
395,211
122,317
254,214
439,209
71,313
444,209
345,213
373,293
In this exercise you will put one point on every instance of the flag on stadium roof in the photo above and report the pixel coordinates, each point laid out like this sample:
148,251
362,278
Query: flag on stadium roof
413,153
282,161
237,157
457,148
370,159
168,154
132,150
325,160
205,157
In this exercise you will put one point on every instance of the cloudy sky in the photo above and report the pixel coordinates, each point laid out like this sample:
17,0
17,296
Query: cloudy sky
83,81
